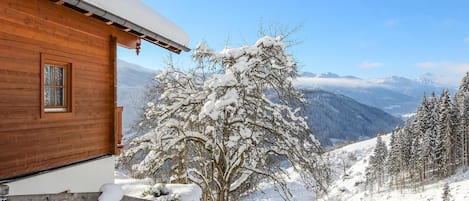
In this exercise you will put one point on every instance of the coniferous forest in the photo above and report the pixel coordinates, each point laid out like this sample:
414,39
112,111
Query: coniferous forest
430,146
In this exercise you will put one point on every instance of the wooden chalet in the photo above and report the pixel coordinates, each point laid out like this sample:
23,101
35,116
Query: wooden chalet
59,121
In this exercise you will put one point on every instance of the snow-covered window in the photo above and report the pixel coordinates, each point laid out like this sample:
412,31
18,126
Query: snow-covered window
56,81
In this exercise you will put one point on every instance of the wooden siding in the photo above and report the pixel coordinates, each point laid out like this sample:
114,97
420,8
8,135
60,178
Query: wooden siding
29,142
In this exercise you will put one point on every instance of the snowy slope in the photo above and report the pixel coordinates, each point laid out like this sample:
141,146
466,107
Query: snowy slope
352,185
267,192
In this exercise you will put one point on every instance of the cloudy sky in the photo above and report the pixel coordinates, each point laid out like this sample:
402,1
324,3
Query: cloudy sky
363,38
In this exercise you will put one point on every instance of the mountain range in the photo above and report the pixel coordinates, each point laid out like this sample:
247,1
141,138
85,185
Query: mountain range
398,96
340,108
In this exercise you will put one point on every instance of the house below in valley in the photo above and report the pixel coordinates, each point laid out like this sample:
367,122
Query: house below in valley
60,126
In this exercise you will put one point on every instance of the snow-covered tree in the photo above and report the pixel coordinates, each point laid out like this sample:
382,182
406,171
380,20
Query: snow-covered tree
461,103
377,162
447,134
222,124
436,141
405,141
432,134
395,156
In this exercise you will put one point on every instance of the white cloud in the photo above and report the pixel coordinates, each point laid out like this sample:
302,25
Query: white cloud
426,64
444,72
333,82
466,39
443,65
369,65
391,22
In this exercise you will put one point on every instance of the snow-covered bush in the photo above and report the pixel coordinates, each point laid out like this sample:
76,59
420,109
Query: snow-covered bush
173,192
219,127
110,192
156,191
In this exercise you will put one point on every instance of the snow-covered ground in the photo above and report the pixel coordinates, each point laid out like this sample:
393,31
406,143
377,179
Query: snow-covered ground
351,187
136,187
268,192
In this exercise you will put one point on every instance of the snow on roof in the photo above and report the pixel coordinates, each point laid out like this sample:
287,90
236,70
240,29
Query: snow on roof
140,14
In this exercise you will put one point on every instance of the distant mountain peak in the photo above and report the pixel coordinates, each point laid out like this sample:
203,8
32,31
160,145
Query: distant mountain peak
328,75
427,79
394,94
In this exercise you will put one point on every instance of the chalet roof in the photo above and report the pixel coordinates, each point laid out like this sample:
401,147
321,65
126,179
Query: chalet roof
135,17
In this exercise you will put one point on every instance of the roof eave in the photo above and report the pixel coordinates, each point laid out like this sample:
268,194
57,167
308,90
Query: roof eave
125,25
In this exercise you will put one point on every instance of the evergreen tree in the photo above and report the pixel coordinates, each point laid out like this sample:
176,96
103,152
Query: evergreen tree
377,163
461,101
432,131
419,128
395,156
435,142
405,140
370,175
447,134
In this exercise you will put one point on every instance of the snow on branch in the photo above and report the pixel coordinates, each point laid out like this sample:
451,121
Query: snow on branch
230,123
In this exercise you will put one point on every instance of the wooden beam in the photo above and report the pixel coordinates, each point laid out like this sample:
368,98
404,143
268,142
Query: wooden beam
109,22
88,14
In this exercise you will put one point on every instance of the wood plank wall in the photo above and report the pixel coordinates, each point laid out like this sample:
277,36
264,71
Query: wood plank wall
28,143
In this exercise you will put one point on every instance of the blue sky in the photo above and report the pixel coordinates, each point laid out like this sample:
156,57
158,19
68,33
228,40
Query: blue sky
367,39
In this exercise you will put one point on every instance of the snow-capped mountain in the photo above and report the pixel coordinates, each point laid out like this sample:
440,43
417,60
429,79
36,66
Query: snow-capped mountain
395,95
332,116
335,117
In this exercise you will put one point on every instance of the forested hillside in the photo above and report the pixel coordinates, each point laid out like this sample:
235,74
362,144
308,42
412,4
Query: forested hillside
336,118
431,146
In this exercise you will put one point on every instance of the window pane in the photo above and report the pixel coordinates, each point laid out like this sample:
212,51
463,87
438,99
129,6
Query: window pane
59,99
59,76
48,96
48,74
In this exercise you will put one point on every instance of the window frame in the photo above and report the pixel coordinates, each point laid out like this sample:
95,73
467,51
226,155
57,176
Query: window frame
68,108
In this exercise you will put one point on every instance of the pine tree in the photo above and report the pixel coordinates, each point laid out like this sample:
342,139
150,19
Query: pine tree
418,130
377,162
461,108
370,174
447,134
405,141
459,140
432,131
395,156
